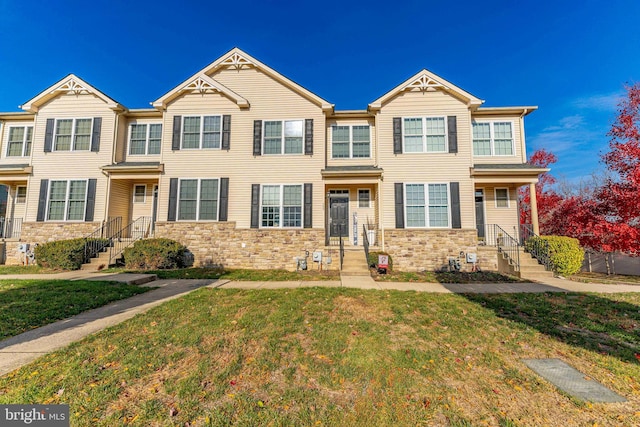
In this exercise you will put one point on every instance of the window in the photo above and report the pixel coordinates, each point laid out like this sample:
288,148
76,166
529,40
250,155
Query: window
427,205
139,193
21,194
201,132
502,197
425,135
145,139
198,199
67,200
73,134
19,143
281,206
350,142
283,137
492,139
364,198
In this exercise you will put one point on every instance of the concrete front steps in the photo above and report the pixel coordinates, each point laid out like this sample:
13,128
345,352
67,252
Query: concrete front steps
102,260
529,269
354,263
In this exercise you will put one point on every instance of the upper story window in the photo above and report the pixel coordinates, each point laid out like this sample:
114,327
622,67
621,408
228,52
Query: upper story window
283,137
67,200
19,143
281,206
198,199
427,205
201,132
145,138
73,134
493,139
424,135
350,142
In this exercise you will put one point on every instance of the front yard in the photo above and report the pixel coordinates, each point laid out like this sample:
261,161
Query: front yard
334,357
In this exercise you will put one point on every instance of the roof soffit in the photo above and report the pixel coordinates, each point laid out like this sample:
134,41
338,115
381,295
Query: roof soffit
70,85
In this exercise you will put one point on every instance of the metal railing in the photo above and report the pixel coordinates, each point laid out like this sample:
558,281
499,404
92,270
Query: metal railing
139,229
100,239
506,244
537,247
365,242
10,228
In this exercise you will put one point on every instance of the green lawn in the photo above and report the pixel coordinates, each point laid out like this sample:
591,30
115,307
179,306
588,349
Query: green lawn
445,277
345,357
236,274
24,269
28,304
606,278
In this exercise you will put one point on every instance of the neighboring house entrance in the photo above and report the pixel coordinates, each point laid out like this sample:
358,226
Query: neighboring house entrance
480,214
339,213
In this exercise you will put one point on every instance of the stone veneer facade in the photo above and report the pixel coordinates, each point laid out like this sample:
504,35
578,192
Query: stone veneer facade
221,243
419,250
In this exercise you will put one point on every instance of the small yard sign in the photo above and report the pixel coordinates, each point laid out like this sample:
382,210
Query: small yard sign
383,262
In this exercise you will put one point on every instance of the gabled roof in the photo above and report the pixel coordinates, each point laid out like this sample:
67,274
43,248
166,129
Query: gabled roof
238,59
201,83
70,84
426,81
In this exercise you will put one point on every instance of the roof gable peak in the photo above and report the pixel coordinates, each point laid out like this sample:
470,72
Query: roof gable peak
202,84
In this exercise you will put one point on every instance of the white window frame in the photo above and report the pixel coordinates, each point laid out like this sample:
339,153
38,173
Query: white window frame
147,138
18,199
144,194
24,141
368,190
426,205
350,142
72,145
281,205
282,137
424,135
495,196
493,140
198,189
200,147
66,201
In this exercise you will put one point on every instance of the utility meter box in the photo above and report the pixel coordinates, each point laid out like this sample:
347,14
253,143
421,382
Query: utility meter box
317,256
472,258
23,247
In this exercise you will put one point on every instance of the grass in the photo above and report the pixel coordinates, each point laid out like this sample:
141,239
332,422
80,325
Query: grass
236,274
24,269
445,277
606,278
335,357
28,304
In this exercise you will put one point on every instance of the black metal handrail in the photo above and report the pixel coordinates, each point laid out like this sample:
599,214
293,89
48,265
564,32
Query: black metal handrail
537,247
505,243
127,236
365,242
100,238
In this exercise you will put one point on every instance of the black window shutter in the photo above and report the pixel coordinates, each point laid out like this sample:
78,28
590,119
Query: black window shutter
308,136
42,199
308,204
173,199
226,132
453,133
399,204
177,126
454,188
91,200
255,205
48,135
95,134
224,199
257,137
397,135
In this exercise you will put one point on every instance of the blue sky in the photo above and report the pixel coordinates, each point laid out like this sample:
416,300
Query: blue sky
570,58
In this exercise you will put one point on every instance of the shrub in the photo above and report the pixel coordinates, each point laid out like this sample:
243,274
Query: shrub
373,259
61,254
565,253
156,254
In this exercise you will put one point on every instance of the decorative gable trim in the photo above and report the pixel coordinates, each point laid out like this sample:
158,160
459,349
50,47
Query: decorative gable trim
70,85
201,84
237,61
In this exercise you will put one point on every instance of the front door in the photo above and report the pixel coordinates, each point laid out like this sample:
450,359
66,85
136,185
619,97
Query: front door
480,214
339,217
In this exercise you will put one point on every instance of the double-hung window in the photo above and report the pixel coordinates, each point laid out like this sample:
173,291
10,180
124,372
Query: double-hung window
201,132
145,138
21,194
198,199
281,206
493,139
19,144
502,197
425,135
283,137
350,142
73,134
427,205
67,200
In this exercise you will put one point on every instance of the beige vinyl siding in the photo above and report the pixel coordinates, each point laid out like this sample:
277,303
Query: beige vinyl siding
269,101
425,167
519,154
507,218
351,161
122,140
4,141
119,200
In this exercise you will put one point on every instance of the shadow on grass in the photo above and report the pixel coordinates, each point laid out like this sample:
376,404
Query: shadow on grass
589,321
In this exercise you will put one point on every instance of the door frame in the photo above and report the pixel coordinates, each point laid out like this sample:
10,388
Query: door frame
484,211
339,193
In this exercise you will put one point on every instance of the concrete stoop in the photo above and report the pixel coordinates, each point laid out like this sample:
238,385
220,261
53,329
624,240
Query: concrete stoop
354,263
530,268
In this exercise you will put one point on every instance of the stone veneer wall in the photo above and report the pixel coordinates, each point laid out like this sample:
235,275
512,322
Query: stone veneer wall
221,243
418,250
42,232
